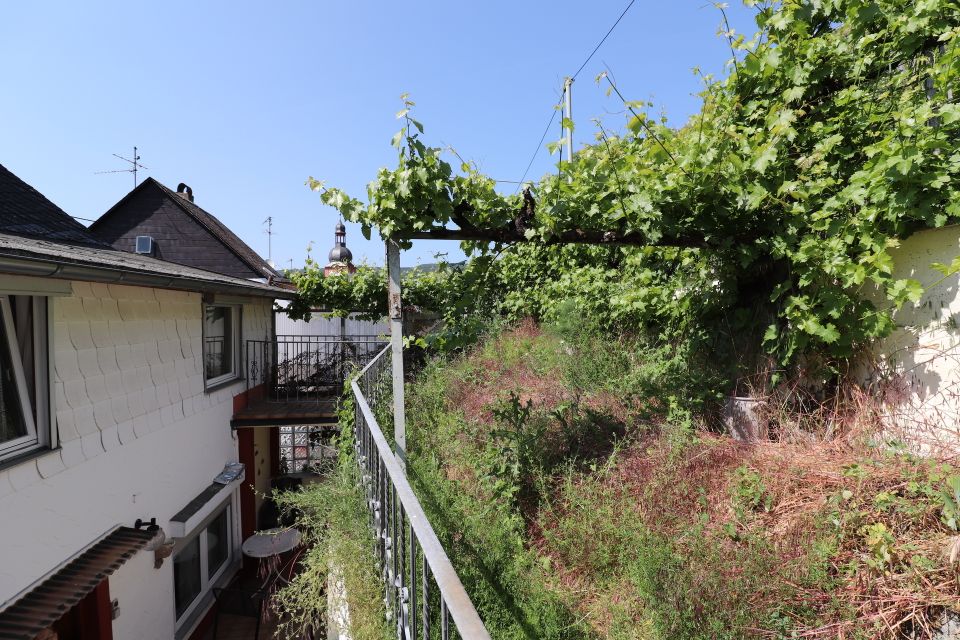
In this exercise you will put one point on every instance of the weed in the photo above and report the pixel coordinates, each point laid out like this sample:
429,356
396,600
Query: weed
749,493
569,479
950,496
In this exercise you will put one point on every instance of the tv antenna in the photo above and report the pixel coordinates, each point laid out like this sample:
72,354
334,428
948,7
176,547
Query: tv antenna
269,232
134,166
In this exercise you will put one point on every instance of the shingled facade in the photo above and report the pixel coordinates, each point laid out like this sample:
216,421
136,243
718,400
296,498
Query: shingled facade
120,378
182,232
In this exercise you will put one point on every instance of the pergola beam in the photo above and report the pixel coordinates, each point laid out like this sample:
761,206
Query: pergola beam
575,236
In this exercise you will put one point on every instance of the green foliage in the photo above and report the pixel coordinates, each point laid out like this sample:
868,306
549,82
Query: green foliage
749,493
517,442
880,544
616,526
950,496
770,214
332,516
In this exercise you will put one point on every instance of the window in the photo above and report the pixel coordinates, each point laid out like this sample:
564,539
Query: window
24,385
221,343
200,560
305,448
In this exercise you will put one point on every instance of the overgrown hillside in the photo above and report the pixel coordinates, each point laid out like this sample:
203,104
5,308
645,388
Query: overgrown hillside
580,497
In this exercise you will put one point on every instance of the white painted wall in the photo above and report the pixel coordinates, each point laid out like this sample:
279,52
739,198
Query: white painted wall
320,325
139,438
917,368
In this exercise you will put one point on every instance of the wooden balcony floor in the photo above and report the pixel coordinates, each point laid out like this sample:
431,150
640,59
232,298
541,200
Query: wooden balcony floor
266,412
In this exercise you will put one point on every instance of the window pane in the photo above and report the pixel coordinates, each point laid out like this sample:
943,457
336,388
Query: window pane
12,425
186,575
218,543
21,307
218,341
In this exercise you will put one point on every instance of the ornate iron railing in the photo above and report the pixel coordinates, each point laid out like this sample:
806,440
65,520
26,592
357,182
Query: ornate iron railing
298,368
422,591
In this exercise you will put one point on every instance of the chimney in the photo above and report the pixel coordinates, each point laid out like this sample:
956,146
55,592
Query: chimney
185,192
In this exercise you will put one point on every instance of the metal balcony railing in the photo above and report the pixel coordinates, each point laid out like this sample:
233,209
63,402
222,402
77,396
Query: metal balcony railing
422,591
304,368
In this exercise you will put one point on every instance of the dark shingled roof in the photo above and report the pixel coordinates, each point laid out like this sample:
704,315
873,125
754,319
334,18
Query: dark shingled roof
24,211
125,267
207,220
37,237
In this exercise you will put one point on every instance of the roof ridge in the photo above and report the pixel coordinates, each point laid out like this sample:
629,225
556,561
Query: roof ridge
25,211
221,231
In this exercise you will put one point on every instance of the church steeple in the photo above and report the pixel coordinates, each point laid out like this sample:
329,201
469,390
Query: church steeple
340,258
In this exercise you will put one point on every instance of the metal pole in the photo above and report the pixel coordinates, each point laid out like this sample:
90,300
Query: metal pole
568,115
395,310
343,348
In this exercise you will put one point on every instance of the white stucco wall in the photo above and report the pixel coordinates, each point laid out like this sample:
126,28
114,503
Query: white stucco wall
917,368
139,438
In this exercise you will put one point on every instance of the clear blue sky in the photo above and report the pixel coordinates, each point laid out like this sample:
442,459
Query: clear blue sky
243,100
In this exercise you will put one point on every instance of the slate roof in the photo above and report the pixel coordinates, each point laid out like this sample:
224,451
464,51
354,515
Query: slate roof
24,211
38,237
120,267
207,220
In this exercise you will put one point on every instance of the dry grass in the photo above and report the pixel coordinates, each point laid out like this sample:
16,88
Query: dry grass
803,485
781,526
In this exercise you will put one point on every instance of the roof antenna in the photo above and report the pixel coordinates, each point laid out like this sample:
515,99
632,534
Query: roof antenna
134,165
269,232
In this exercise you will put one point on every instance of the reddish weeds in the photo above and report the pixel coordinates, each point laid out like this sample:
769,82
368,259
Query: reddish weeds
669,492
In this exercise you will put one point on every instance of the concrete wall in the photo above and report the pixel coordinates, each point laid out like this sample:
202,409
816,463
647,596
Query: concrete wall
139,438
917,369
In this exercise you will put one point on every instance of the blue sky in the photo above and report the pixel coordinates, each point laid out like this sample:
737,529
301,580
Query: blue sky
243,101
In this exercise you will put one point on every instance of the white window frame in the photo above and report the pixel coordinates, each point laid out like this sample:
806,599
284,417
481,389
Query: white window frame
206,582
234,339
37,427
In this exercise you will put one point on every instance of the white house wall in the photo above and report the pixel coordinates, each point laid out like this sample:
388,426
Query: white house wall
139,438
917,368
322,325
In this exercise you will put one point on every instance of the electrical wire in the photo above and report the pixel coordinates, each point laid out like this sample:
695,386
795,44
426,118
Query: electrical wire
602,40
553,115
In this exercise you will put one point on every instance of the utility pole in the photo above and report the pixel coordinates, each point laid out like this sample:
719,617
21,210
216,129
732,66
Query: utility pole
568,115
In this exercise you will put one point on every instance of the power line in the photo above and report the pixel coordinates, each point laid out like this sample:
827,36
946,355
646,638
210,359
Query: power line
602,40
553,115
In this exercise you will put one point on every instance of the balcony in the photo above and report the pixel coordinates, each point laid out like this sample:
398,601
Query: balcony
296,380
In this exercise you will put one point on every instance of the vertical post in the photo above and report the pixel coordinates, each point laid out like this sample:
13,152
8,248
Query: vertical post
395,310
568,114
343,350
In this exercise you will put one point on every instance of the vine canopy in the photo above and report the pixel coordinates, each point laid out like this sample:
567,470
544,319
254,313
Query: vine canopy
833,135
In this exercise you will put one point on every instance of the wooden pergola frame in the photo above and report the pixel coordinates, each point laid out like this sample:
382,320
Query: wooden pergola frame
512,233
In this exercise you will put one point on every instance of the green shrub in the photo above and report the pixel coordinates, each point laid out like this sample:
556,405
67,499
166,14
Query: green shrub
333,518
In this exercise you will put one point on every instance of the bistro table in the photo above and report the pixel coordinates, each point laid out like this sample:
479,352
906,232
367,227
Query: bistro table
267,546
